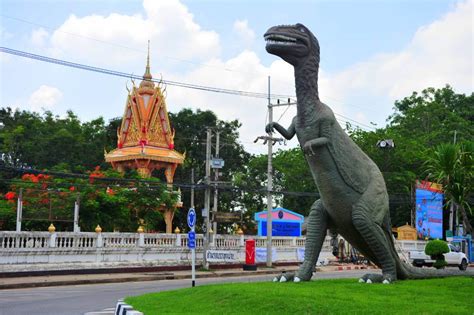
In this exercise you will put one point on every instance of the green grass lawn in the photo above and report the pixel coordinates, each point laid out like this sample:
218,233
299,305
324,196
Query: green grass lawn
341,296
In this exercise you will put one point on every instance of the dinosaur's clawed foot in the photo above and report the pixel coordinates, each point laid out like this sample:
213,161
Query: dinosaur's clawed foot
286,277
376,278
371,278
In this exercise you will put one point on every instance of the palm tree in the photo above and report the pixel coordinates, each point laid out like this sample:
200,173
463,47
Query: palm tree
452,165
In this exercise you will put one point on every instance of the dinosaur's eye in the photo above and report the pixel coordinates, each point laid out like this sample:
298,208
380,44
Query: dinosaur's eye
302,30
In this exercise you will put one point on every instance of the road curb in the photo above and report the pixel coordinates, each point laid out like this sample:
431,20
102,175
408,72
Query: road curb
123,308
134,279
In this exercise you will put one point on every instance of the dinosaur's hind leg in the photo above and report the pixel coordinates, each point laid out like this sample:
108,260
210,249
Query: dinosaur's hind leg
367,217
316,232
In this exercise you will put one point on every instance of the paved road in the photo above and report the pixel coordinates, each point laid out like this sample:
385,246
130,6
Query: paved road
71,300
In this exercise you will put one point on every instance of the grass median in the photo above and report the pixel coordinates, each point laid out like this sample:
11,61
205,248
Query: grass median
340,296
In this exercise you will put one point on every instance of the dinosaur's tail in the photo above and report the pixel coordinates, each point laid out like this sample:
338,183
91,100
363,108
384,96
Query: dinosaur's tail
406,271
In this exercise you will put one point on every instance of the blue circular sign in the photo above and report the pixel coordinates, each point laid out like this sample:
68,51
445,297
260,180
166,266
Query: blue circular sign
191,218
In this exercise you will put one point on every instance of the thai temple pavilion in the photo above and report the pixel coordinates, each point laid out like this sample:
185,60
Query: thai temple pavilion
145,139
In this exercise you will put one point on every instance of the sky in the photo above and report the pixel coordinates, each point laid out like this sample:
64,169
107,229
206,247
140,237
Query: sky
372,53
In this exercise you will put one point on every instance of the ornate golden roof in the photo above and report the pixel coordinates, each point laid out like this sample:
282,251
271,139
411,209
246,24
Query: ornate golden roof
145,131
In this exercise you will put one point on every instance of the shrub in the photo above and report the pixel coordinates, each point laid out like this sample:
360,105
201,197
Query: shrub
436,249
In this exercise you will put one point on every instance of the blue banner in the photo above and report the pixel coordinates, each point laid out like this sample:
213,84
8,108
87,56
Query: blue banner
429,213
282,228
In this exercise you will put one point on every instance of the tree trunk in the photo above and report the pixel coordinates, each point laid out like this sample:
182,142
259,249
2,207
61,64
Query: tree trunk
465,219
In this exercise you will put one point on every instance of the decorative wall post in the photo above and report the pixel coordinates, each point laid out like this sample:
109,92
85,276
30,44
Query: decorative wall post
100,241
177,231
141,236
52,236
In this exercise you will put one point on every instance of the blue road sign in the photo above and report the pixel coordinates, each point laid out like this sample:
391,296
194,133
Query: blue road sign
192,239
191,218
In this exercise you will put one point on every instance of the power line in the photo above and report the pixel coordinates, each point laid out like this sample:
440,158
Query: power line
168,82
132,76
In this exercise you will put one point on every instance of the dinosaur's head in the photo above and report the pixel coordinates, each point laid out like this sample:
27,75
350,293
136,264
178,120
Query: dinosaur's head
293,43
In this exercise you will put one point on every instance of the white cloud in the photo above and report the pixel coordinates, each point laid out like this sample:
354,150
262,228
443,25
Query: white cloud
243,31
167,24
248,74
45,97
438,54
39,37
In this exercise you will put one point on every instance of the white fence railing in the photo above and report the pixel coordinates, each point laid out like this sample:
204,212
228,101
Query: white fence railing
36,248
82,240
65,240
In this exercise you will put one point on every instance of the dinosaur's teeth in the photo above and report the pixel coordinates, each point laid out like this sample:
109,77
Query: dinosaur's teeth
280,37
280,42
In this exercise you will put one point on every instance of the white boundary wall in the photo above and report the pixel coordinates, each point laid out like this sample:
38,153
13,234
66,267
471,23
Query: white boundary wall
23,250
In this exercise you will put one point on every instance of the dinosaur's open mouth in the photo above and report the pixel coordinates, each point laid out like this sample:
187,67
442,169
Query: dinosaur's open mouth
277,39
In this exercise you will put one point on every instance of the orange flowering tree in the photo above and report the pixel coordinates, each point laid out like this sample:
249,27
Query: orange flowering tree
105,198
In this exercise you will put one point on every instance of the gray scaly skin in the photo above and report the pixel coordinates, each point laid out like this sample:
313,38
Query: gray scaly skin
354,200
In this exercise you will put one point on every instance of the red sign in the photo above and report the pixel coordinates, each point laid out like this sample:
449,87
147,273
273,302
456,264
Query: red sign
250,252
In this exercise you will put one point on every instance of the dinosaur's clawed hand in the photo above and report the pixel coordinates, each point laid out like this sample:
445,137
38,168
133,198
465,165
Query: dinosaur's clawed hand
269,128
308,149
311,145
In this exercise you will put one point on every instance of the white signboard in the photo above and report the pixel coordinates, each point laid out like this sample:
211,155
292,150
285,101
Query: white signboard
222,256
323,258
261,254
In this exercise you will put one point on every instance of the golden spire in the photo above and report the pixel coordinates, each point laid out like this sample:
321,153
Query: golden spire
147,76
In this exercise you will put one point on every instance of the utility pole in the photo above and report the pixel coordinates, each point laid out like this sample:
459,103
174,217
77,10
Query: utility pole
207,198
270,141
216,179
270,183
453,218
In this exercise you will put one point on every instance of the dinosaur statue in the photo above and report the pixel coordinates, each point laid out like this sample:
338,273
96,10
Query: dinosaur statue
354,199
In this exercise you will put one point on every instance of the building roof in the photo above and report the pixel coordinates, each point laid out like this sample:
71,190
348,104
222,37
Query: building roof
280,214
145,131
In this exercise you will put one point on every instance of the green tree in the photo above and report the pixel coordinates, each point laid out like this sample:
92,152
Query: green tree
191,130
419,123
44,141
452,165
